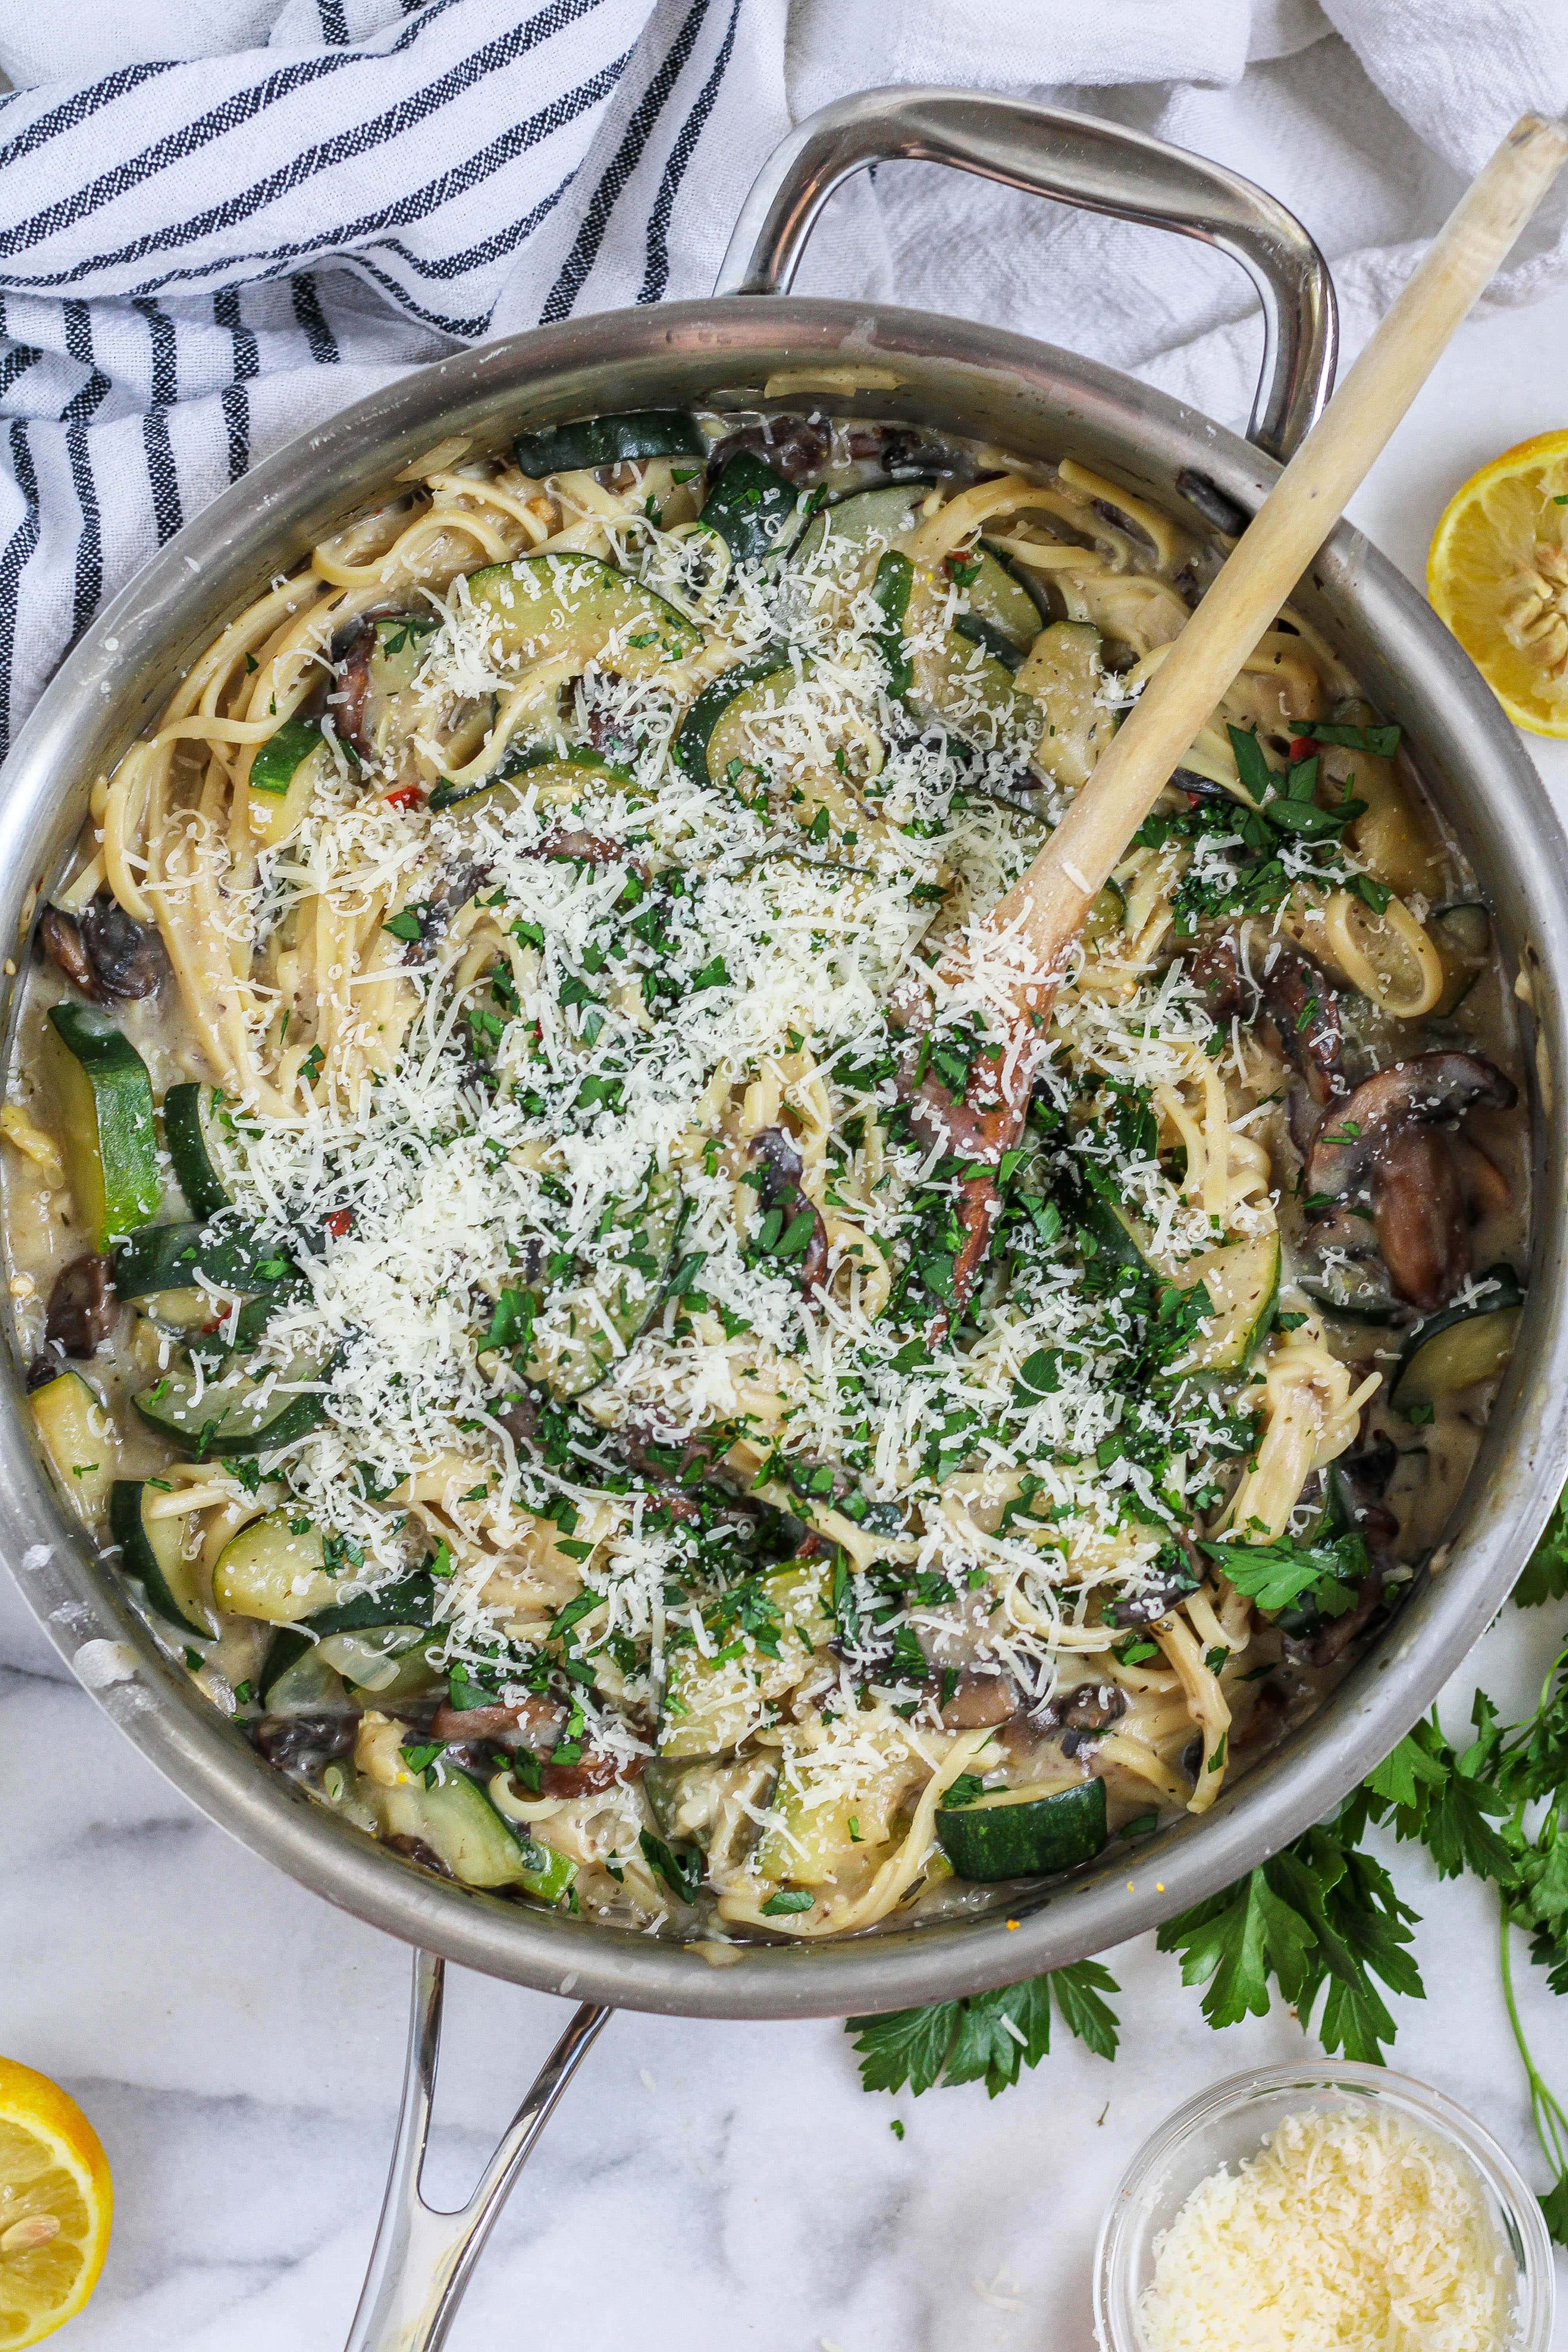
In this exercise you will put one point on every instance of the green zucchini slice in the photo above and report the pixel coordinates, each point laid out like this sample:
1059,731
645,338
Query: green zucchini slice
268,1571
188,1112
711,737
575,609
559,777
409,1600
151,1550
284,777
109,1128
627,1293
1063,672
175,1257
479,1845
76,1433
241,1413
864,523
751,509
634,435
1000,597
1024,1832
1367,1303
1459,1345
1242,1280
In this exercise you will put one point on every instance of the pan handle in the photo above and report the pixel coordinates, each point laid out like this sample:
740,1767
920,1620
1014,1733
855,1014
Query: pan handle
1080,161
423,2258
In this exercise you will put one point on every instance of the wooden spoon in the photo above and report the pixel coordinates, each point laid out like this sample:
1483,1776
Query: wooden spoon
1026,938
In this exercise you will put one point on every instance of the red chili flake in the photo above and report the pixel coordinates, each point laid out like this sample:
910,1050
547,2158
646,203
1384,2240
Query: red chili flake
208,1329
406,796
1302,746
338,1223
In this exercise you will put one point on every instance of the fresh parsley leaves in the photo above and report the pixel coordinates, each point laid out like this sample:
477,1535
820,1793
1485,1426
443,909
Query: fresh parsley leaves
987,2037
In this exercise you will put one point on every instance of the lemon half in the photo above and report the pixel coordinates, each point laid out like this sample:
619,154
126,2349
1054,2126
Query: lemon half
1498,575
56,2201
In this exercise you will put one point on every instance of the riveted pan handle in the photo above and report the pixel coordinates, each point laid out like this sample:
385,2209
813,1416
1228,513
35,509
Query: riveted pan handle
1080,161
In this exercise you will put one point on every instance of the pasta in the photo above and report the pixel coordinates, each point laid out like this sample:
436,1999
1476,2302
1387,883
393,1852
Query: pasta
585,1379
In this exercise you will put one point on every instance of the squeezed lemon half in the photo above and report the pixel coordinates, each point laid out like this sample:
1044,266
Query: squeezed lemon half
1498,575
56,2200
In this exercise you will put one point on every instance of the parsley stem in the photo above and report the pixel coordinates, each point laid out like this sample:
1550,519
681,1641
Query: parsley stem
1549,2119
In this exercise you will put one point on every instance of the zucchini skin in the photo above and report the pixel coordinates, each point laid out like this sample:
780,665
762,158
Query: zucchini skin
170,1257
1034,1839
110,1122
594,441
690,748
198,1178
272,770
139,1559
749,507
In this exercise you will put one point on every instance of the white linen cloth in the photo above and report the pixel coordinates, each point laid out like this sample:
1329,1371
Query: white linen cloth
220,220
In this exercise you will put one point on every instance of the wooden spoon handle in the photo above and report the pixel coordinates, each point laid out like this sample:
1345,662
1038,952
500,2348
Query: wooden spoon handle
1049,905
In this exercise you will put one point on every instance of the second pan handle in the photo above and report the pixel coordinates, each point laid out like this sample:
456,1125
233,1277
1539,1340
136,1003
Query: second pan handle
1078,160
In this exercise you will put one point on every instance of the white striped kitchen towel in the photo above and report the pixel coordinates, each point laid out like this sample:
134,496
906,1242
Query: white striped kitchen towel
220,220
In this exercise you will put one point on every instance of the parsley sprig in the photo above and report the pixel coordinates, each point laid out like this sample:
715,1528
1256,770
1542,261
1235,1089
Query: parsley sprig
989,2036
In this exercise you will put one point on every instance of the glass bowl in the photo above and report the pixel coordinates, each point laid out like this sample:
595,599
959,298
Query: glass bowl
1231,2121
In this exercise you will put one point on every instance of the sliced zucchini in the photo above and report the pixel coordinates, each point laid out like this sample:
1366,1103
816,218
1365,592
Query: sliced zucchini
285,776
751,508
592,441
1370,1303
575,609
1116,1233
1000,597
152,1551
713,1702
480,1848
720,711
242,1414
1459,1345
387,717
267,1571
1242,1280
857,527
188,1113
1063,674
1024,1832
1002,618
1462,935
958,685
409,1600
180,1257
558,777
626,1293
108,1128
890,587
76,1434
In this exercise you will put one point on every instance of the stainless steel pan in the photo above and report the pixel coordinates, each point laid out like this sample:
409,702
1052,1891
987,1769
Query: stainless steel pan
1039,401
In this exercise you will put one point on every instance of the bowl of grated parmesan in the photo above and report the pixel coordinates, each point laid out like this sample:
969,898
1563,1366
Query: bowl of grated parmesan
1306,2208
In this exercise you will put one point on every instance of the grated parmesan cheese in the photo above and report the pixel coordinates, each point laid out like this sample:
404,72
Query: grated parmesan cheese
1351,2228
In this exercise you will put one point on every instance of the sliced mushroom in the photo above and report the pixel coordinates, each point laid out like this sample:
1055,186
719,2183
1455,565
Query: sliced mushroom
297,1743
781,1169
1385,1140
535,1723
1300,1002
128,958
81,1305
795,446
415,1849
103,951
981,1701
597,1771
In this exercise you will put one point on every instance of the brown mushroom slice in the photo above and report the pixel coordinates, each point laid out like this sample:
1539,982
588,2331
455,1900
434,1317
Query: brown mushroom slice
1384,1139
81,1305
1299,999
128,958
981,1701
59,936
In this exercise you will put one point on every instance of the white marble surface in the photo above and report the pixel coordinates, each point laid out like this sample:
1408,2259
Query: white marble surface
239,2044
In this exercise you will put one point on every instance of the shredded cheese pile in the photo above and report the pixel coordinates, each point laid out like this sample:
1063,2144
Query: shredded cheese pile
1351,2228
